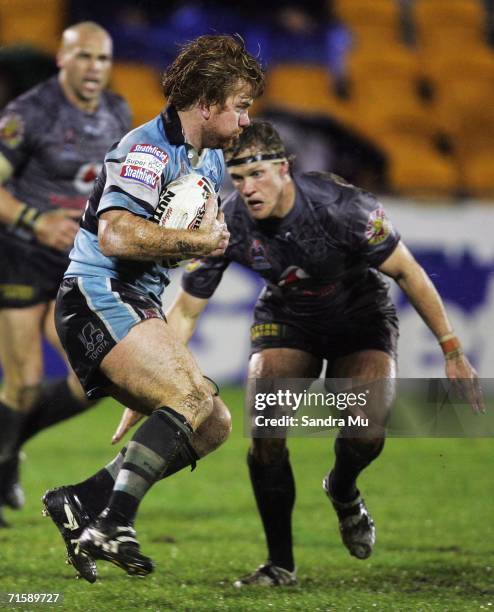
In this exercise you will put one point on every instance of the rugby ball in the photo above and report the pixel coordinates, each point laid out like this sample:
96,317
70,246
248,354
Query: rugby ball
182,203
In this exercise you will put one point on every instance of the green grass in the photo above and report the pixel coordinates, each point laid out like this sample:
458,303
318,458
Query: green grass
431,500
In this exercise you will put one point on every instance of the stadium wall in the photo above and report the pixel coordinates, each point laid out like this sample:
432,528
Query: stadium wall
454,244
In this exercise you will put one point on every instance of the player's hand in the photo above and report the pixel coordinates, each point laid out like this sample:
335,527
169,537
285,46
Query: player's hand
466,381
214,226
57,228
128,420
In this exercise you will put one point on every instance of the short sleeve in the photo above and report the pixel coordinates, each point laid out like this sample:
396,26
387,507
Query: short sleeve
202,276
17,132
368,229
134,178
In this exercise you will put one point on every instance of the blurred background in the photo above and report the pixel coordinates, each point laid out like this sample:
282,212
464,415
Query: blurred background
397,96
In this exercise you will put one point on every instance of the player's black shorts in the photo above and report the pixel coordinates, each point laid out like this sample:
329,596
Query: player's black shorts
92,315
378,332
29,273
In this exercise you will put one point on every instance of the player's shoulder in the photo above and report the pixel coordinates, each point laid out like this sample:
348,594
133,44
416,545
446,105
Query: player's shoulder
118,105
332,192
148,138
37,99
234,209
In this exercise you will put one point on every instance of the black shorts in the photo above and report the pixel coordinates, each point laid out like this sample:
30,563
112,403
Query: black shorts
376,332
92,315
29,273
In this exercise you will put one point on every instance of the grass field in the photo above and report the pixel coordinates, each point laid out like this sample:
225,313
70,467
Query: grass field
431,500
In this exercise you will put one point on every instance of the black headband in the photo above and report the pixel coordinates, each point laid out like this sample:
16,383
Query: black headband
255,158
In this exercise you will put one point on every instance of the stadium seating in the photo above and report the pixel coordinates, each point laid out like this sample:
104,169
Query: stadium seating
140,85
36,22
303,88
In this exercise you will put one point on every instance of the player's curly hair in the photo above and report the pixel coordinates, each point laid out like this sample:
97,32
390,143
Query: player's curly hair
261,136
208,69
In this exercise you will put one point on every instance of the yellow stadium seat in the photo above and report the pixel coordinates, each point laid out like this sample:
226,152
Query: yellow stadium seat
305,89
36,22
443,26
354,12
140,86
416,166
474,141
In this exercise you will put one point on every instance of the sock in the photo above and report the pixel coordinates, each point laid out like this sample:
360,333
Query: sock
95,491
352,456
11,422
153,448
274,490
56,403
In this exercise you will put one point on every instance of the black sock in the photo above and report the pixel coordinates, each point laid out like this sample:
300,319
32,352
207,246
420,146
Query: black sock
11,422
95,491
153,448
274,490
183,459
352,456
55,403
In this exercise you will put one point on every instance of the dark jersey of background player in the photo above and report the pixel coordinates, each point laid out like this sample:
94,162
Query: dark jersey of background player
53,140
319,261
56,151
320,244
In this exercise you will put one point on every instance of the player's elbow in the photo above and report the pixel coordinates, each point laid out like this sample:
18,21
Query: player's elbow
109,240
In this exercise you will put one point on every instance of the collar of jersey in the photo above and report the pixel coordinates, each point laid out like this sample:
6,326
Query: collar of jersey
173,126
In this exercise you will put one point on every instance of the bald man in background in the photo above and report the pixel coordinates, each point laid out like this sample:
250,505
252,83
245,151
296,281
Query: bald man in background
53,140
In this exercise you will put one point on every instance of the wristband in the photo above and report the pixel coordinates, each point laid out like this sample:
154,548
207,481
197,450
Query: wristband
27,217
449,343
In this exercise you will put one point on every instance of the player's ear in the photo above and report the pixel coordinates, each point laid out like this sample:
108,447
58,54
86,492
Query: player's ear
204,110
284,169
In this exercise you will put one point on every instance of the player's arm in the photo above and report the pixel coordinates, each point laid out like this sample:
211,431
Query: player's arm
126,235
413,280
184,313
56,229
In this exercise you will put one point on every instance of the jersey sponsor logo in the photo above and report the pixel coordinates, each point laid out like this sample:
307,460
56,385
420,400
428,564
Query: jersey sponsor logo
93,340
85,177
12,130
145,161
257,255
265,330
140,175
378,227
152,150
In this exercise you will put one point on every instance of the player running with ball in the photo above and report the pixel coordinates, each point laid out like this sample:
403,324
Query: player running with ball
108,312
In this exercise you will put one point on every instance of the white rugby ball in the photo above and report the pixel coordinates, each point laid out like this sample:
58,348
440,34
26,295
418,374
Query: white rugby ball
182,204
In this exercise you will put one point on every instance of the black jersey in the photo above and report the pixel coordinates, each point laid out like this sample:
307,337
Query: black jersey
319,261
56,149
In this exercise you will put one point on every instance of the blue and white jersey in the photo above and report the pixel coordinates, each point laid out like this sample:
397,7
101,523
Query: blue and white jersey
136,171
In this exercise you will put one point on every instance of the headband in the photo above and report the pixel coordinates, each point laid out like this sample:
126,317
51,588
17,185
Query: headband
255,158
